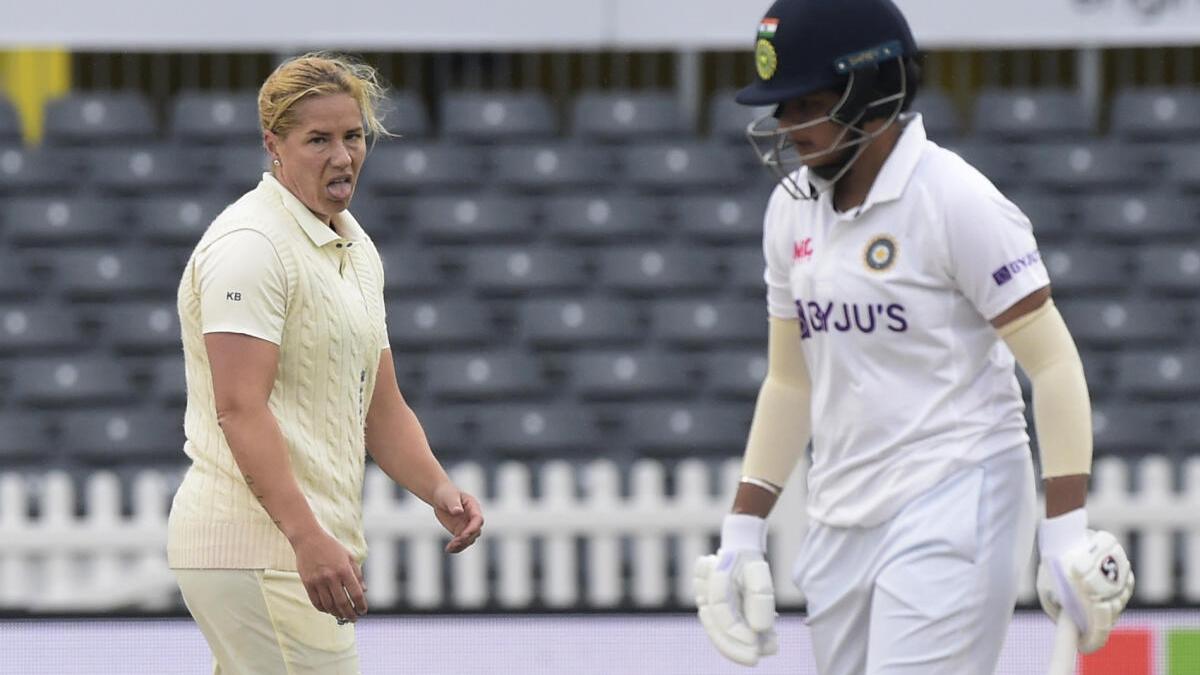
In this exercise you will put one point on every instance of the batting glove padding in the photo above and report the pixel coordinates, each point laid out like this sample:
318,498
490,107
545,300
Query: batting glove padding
735,597
1089,577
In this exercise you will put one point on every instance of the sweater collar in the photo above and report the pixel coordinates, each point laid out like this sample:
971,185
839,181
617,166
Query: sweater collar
345,227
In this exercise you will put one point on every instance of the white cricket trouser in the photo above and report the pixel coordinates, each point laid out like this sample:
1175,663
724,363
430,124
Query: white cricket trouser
931,591
261,622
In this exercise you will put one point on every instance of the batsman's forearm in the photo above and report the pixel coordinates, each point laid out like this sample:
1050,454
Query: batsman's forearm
262,456
1065,494
752,500
398,445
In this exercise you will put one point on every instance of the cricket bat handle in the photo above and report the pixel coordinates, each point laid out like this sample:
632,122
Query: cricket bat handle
1066,646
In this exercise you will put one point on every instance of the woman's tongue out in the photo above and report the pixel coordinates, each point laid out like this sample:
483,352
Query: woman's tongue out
340,189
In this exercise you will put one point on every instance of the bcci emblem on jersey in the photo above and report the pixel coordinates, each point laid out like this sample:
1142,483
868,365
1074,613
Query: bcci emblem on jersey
880,253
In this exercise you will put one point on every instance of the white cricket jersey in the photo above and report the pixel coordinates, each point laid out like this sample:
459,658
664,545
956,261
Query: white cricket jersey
910,382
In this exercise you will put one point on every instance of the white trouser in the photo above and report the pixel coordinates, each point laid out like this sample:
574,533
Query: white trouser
931,591
261,622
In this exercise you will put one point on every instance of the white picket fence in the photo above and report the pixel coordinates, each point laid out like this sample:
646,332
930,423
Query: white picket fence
105,561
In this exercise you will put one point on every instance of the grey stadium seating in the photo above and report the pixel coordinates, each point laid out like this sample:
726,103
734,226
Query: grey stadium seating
1082,269
430,323
565,322
32,329
630,375
553,165
1136,217
55,381
736,374
1156,113
405,115
24,169
145,169
654,269
177,220
10,122
408,270
445,427
493,116
483,375
599,218
63,219
1175,269
122,434
1163,373
406,166
940,116
621,116
1126,430
142,326
675,428
722,219
525,270
1030,114
99,118
15,280
696,167
1113,322
220,117
1084,166
23,437
101,272
707,322
472,218
538,429
728,120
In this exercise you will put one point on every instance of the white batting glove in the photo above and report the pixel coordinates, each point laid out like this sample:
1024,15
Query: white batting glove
735,596
1085,572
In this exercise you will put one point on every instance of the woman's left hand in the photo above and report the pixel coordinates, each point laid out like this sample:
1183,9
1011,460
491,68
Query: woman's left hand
460,514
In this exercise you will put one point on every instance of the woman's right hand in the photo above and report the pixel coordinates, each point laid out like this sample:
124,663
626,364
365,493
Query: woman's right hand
333,580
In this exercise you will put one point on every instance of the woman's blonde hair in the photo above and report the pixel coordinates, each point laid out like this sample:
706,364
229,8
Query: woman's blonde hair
320,74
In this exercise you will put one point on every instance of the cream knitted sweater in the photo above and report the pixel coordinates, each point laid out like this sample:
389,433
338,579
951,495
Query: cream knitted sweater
328,319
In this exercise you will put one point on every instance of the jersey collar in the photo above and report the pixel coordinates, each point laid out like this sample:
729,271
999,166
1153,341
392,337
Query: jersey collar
899,166
347,228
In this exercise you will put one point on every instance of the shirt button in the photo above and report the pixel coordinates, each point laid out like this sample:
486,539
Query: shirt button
349,245
339,245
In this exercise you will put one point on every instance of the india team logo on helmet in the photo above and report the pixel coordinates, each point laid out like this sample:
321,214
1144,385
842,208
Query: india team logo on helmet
766,59
881,253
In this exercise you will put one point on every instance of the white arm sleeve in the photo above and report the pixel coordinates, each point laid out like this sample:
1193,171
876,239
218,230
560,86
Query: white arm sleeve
242,286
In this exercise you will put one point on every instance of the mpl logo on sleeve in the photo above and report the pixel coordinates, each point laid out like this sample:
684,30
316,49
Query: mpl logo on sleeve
1009,270
802,250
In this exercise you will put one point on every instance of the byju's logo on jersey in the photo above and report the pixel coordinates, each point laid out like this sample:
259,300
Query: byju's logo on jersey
880,254
1006,273
802,250
844,317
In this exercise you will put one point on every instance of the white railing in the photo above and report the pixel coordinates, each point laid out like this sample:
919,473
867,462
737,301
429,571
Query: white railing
101,561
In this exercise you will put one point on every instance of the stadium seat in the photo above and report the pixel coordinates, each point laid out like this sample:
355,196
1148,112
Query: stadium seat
70,381
121,435
14,277
722,219
99,118
1187,428
473,218
746,265
407,166
63,220
143,326
687,428
736,374
1000,162
1136,218
554,429
409,270
1047,211
111,273
682,166
1030,114
483,375
627,375
229,117
553,166
435,323
1129,430
1081,269
446,428
618,116
706,323
31,329
144,169
659,270
1171,268
525,270
25,169
1085,166
1098,372
565,322
939,115
1156,113
405,115
23,437
169,380
1183,165
1116,321
177,220
237,168
1160,373
490,116
728,120
611,218
10,123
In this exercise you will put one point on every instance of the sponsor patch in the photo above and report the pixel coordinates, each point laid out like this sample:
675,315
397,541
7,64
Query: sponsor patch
1006,273
802,250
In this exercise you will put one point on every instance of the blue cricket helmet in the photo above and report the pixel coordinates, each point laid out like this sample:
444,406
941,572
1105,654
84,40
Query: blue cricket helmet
804,46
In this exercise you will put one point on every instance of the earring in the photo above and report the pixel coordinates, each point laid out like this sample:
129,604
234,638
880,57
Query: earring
275,162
